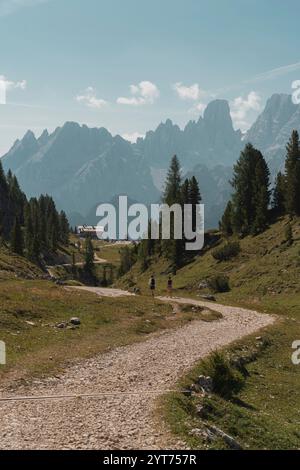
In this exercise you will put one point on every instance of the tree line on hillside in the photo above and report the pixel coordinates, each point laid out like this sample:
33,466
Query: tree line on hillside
177,191
252,207
33,228
253,204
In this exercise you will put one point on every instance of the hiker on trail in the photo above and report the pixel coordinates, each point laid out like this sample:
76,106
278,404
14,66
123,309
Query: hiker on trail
170,286
152,284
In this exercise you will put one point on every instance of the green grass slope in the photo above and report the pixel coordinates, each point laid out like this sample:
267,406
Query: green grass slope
13,266
264,276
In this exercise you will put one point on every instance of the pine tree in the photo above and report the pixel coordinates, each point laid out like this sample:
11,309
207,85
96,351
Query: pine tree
3,182
278,201
17,198
243,212
185,192
185,199
4,204
53,228
89,257
64,228
173,248
251,196
292,174
30,246
172,192
194,199
226,221
16,242
43,227
261,195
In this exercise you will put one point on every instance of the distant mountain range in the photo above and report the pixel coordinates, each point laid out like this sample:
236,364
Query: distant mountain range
82,167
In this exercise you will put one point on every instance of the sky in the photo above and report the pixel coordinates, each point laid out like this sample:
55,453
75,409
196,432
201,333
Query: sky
129,65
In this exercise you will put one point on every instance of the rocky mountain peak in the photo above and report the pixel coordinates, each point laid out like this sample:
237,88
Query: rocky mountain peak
217,113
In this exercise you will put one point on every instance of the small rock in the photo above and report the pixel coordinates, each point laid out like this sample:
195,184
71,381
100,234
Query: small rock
230,441
205,383
205,434
208,297
200,410
61,325
75,321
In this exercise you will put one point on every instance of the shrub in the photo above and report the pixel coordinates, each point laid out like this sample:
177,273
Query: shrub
226,252
128,259
227,380
219,284
288,232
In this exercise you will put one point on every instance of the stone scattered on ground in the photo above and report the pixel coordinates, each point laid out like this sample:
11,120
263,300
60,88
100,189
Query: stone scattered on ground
61,325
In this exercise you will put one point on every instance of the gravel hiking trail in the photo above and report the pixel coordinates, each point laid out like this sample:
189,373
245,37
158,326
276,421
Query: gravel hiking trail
109,401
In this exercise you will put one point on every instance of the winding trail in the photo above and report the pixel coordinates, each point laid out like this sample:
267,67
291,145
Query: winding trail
97,260
125,384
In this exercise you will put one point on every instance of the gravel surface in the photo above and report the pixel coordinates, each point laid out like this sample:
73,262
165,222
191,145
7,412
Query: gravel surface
103,291
130,379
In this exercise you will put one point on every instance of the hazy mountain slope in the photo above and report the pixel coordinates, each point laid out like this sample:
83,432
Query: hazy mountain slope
273,128
210,141
79,167
82,167
215,191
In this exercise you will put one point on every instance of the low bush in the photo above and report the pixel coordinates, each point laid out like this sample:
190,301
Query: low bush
227,380
226,252
219,284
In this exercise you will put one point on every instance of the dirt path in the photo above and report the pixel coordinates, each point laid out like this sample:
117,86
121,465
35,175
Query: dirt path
127,381
102,291
97,260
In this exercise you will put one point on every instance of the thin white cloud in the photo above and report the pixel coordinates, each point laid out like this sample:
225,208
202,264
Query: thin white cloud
242,109
144,93
273,73
132,137
192,92
90,99
264,76
10,85
199,108
7,7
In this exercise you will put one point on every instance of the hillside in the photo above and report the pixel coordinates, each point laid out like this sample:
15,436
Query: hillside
264,277
265,269
13,266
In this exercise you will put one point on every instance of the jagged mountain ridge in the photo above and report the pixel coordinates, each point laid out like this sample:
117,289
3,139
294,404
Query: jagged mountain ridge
82,167
79,167
211,140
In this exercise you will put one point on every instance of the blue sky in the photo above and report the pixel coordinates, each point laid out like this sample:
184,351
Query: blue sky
128,65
